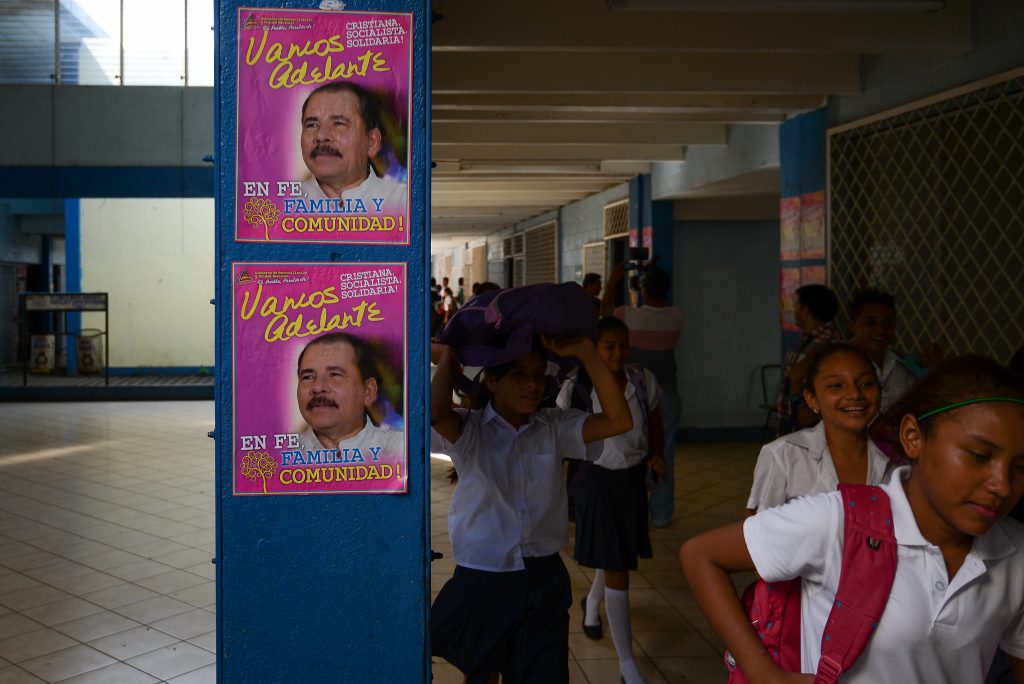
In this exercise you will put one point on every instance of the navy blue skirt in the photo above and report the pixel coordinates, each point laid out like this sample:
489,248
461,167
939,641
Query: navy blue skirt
611,517
515,623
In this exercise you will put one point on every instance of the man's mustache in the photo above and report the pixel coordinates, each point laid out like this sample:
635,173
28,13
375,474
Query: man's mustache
324,149
320,400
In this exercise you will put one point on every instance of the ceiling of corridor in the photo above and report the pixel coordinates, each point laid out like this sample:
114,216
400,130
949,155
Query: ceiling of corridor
539,103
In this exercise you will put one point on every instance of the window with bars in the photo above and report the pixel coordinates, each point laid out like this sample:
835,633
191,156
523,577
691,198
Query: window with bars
474,270
616,219
542,254
108,42
594,258
927,205
518,271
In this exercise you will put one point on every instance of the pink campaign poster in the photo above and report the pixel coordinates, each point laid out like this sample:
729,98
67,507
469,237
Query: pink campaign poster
812,225
789,281
323,126
812,275
789,228
319,378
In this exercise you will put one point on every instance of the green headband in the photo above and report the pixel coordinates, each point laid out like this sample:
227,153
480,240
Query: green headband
965,402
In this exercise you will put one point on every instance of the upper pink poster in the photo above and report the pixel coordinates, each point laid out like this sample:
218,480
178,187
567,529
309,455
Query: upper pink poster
323,116
319,378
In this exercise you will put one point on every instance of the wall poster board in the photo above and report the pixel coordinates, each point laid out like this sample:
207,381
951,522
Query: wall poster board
319,378
323,136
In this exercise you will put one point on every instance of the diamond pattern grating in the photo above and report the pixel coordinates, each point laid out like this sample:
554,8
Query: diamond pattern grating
929,205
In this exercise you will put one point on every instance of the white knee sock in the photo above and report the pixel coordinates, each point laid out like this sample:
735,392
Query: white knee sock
594,599
617,607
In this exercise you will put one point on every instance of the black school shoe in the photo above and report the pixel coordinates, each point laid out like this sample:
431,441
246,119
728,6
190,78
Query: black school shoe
594,632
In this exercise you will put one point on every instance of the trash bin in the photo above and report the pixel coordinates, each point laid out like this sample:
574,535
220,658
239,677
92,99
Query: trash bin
90,351
42,353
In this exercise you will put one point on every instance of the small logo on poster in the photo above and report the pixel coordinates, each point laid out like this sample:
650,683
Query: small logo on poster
245,277
258,466
261,212
251,23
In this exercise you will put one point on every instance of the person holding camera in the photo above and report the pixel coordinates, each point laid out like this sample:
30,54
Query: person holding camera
654,329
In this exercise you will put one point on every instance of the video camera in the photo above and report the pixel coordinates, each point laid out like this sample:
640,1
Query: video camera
639,262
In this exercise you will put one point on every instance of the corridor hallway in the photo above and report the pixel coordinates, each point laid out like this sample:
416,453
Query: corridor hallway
107,533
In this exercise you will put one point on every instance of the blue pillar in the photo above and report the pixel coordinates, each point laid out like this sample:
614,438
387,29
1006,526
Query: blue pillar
650,222
73,269
802,158
330,586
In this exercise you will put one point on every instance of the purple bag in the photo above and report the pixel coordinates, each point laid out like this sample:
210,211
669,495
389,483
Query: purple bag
499,327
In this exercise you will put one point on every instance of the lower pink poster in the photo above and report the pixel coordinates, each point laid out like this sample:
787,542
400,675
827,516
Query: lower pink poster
319,379
789,282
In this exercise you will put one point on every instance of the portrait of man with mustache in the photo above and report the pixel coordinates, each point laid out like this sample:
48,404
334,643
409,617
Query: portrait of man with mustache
338,383
342,133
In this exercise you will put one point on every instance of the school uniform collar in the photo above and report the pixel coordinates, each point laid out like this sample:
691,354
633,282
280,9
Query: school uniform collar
889,363
992,545
810,439
490,414
813,440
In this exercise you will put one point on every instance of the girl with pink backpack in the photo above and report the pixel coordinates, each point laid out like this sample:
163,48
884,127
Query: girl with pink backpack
957,591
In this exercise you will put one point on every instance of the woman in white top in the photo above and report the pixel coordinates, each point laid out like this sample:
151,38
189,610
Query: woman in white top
840,386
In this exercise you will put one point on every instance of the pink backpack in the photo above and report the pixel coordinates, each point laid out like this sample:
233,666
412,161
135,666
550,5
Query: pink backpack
869,566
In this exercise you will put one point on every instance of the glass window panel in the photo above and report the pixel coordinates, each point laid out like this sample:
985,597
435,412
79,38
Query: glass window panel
27,48
200,43
90,36
154,42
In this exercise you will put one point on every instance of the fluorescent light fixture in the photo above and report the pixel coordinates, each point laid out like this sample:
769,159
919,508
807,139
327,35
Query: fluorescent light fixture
778,5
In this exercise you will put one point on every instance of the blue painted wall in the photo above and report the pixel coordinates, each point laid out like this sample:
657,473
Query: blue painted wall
726,284
331,588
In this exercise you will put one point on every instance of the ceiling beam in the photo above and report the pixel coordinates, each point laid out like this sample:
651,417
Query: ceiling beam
455,212
508,199
616,101
661,133
570,154
601,72
463,184
607,114
570,25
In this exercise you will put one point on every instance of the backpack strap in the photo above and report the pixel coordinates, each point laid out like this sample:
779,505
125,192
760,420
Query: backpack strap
579,393
636,378
865,579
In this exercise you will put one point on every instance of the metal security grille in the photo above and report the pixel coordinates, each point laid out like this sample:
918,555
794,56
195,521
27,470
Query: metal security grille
518,271
475,268
928,204
616,219
594,258
542,254
446,268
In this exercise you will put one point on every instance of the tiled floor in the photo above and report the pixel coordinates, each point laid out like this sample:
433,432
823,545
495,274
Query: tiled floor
106,536
672,641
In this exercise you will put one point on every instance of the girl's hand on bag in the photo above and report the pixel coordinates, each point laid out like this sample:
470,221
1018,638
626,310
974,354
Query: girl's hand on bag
572,347
658,464
437,351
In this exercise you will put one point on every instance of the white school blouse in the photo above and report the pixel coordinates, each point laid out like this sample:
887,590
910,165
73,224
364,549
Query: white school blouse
799,464
630,448
510,501
935,629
